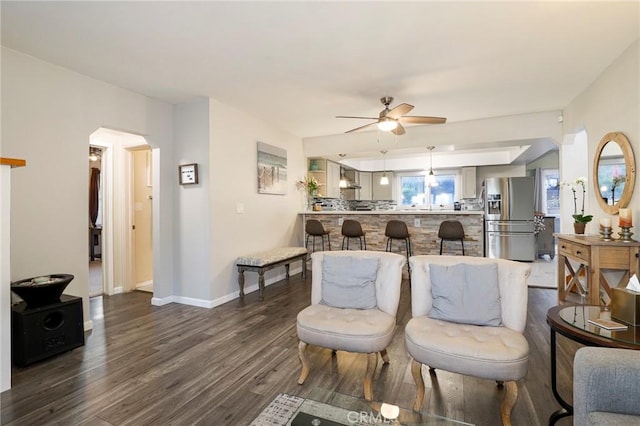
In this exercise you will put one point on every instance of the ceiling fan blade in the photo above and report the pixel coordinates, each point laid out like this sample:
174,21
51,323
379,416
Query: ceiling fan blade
349,116
422,120
361,127
398,130
399,111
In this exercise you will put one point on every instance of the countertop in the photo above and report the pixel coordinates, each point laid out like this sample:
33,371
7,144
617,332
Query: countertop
395,212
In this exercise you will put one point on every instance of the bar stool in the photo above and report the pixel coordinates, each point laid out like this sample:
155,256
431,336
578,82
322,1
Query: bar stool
451,230
397,230
353,229
315,229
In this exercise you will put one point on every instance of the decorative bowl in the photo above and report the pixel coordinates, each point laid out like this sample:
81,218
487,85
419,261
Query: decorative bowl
42,290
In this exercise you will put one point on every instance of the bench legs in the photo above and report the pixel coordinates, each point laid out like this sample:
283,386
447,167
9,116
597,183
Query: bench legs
241,281
261,281
262,270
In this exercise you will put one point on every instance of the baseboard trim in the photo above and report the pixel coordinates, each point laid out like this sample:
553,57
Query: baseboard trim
88,325
202,303
118,290
149,282
161,301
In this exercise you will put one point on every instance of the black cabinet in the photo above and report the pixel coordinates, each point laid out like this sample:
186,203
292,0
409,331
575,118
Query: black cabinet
39,333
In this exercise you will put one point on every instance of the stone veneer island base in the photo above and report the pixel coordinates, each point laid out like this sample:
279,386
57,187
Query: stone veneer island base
424,238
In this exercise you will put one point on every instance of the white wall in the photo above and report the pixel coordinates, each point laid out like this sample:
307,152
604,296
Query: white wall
192,218
611,103
48,115
268,221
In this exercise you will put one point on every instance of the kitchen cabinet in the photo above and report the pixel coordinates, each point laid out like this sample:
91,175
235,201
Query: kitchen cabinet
365,185
468,182
317,168
327,173
332,188
381,192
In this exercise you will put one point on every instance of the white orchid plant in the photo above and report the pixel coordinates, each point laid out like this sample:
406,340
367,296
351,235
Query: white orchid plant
579,184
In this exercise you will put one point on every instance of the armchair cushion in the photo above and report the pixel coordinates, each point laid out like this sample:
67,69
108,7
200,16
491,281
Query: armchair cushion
352,330
349,282
466,293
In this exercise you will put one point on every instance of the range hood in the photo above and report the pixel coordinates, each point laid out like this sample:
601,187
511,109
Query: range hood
347,179
352,185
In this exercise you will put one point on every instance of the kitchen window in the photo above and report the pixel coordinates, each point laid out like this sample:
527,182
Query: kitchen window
415,192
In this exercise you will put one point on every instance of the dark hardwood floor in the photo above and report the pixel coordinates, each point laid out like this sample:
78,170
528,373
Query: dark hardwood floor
184,365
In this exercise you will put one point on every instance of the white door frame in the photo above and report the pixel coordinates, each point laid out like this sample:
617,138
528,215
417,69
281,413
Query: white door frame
117,216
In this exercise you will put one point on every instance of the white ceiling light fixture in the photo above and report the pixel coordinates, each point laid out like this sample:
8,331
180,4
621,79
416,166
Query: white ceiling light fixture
384,180
431,178
387,124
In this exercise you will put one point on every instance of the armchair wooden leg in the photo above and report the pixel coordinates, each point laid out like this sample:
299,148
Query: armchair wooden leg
510,397
385,356
372,363
304,359
416,372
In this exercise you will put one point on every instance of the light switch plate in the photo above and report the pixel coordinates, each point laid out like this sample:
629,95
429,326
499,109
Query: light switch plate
340,221
240,208
416,222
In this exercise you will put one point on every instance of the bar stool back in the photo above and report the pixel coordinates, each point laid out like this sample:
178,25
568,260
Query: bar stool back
397,230
315,229
353,229
451,230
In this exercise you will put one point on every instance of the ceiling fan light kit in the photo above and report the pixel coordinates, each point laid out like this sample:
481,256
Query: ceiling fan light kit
387,124
392,120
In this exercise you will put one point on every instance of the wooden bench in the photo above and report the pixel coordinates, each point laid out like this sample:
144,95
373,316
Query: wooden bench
266,260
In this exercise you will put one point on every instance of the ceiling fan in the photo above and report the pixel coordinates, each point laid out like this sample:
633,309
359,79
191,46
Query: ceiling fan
391,120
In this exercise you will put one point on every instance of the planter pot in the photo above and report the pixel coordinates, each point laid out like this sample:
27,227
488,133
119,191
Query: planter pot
578,227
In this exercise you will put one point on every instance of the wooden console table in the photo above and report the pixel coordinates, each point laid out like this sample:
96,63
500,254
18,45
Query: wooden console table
593,256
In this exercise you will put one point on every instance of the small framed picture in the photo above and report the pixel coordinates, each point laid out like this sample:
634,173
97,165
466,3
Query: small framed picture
188,174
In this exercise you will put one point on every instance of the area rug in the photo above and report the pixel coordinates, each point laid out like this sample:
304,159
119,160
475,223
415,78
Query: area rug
279,411
544,273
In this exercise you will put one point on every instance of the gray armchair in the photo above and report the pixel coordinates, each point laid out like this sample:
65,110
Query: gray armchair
606,387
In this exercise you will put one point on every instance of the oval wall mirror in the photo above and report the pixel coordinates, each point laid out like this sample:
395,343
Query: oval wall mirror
614,172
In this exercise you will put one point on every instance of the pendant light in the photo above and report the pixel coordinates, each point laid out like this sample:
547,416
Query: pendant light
384,180
431,178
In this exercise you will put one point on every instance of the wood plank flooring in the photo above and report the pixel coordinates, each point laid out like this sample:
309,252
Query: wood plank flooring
183,365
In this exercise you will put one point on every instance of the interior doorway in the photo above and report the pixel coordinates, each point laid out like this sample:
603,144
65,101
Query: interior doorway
96,286
142,219
118,208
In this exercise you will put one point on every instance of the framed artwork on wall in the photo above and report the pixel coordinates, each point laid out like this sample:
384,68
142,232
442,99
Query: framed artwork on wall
272,169
188,174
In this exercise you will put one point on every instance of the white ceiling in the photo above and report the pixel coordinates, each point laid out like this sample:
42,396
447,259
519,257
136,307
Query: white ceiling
299,64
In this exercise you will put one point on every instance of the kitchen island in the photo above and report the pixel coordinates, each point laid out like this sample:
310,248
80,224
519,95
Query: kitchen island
423,226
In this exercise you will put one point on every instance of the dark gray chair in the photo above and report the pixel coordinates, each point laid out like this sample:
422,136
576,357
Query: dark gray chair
315,229
605,386
397,230
451,230
353,229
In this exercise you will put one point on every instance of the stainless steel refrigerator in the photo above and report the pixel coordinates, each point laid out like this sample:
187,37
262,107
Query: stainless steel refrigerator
508,208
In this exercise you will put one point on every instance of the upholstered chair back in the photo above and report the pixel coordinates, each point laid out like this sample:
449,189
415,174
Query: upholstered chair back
388,278
512,285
